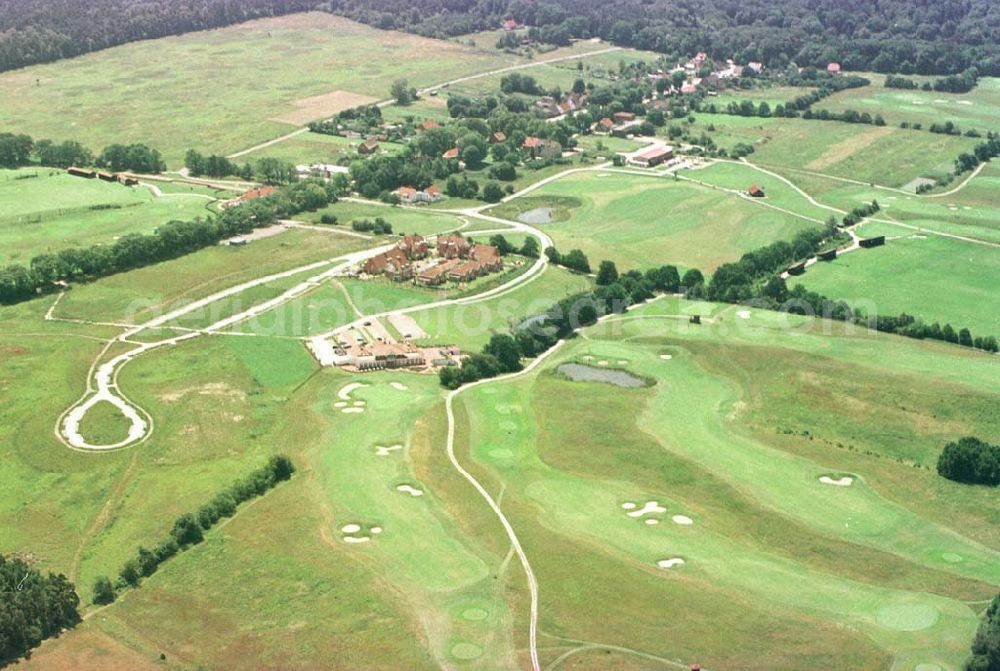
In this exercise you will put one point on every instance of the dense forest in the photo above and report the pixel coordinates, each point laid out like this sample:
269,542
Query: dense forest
908,37
33,607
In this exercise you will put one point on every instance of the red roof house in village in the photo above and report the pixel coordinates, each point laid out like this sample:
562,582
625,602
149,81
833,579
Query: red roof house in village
451,153
452,247
427,125
498,137
756,191
510,24
833,68
414,246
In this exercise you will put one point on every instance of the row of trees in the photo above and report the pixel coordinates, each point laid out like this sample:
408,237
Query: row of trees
18,150
268,170
189,528
981,153
962,83
33,607
379,227
536,334
173,239
971,461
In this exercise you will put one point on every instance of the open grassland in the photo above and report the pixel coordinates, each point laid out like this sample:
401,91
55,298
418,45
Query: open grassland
404,220
641,222
927,276
857,576
471,325
310,148
772,95
224,88
978,109
44,210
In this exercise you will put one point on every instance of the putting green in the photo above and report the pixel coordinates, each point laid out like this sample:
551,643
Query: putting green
475,614
466,651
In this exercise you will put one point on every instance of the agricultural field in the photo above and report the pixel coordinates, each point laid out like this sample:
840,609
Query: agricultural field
928,276
642,222
44,210
978,109
291,70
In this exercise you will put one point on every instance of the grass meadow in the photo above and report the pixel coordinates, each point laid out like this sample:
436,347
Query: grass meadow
44,210
641,222
252,73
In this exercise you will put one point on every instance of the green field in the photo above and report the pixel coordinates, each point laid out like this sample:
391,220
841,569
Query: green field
978,109
128,94
934,278
641,222
44,210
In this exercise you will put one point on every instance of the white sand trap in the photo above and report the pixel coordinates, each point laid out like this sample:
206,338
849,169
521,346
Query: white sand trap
359,404
964,102
743,314
666,357
651,521
919,102
340,404
412,491
670,563
649,508
683,520
628,505
345,392
845,481
398,386
352,410
356,539
376,530
602,362
386,451
351,528
939,101
919,237
966,207
587,357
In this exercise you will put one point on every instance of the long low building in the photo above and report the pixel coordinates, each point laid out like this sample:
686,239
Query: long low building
651,157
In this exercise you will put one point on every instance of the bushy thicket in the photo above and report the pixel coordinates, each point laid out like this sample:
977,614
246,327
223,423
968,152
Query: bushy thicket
33,607
189,528
986,645
970,460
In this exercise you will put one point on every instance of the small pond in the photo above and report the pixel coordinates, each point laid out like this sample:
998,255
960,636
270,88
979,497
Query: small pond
580,373
539,215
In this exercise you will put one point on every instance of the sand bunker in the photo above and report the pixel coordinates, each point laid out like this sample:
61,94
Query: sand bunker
381,451
376,530
670,563
651,521
359,404
666,357
683,520
412,491
743,314
648,508
351,528
340,404
345,393
964,102
398,386
356,539
845,481
628,505
602,363
352,410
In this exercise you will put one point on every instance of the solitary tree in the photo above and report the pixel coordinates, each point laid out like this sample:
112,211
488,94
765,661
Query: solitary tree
104,591
607,273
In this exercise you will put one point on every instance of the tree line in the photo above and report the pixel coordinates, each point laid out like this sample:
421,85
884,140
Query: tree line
970,460
20,150
960,83
538,333
169,241
189,529
33,607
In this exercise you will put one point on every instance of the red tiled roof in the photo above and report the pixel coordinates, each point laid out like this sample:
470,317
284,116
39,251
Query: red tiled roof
532,142
451,153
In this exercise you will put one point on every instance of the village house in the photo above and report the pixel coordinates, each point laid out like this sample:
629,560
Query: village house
756,66
833,68
451,153
488,257
605,125
82,172
452,247
623,117
369,146
756,191
409,195
394,264
498,137
427,125
437,274
509,24
414,246
252,194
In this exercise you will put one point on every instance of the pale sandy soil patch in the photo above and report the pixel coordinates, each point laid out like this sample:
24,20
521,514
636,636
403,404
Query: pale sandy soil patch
322,106
844,149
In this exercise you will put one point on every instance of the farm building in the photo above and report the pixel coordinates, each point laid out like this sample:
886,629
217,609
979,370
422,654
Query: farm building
82,172
604,125
797,269
876,241
833,68
369,146
651,157
756,191
623,117
427,125
828,255
106,177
